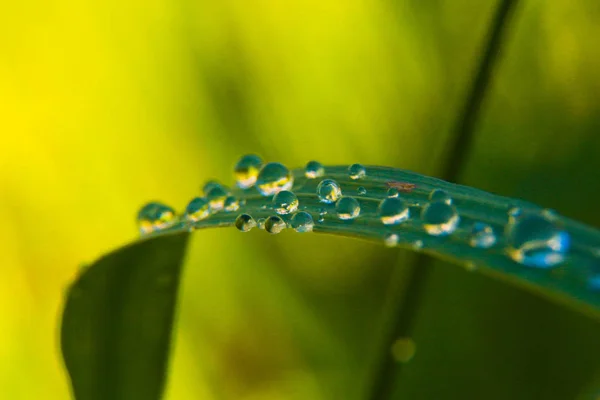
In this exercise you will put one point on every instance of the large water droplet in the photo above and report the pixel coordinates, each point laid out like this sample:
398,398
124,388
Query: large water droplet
439,219
244,222
440,195
535,241
357,171
329,191
274,224
155,216
285,202
231,204
393,210
361,190
273,178
482,236
302,222
391,240
216,196
347,208
246,170
314,169
197,209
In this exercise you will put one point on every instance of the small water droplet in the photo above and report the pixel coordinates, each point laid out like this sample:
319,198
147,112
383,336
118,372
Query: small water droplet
321,218
244,222
391,240
246,170
314,169
329,191
514,212
439,219
361,190
231,204
197,209
273,178
393,210
534,241
393,192
482,236
357,171
155,216
216,196
404,349
285,202
302,222
440,195
274,224
347,208
261,223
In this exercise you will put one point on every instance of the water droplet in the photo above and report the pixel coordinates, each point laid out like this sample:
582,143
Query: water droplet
314,169
302,222
246,170
197,209
209,185
216,196
356,171
273,178
322,214
403,349
155,216
393,210
482,236
417,244
274,224
535,241
440,195
285,202
261,223
347,208
362,191
391,240
329,191
393,192
244,222
231,204
439,219
514,212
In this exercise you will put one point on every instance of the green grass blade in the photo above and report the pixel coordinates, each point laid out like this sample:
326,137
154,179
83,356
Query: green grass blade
117,321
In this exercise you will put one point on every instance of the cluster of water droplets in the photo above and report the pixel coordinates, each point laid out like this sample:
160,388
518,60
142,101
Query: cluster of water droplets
532,239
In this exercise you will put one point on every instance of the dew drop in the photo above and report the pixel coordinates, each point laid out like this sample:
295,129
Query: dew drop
209,185
273,178
231,204
314,169
514,212
439,219
329,191
347,208
155,216
244,222
246,170
403,349
357,171
392,211
285,202
391,239
197,209
216,196
440,195
274,224
362,191
482,236
261,223
393,192
535,241
302,222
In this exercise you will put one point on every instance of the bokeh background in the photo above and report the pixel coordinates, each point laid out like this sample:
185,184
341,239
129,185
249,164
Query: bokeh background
107,104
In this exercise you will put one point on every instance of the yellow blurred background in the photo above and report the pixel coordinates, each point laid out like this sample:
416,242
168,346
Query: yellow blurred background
106,105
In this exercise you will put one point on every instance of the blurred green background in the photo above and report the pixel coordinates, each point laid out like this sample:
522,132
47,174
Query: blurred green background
105,105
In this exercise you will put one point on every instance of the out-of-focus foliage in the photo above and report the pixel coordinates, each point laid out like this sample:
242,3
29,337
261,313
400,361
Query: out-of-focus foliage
105,105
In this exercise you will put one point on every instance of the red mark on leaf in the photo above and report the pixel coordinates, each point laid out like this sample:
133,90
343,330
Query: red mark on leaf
401,186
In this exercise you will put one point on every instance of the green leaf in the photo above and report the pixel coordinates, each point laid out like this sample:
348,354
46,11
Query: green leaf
117,321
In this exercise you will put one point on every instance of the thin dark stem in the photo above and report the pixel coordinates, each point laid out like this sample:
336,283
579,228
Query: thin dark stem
407,304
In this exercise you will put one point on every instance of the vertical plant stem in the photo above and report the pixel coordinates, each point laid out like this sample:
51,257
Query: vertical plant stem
406,304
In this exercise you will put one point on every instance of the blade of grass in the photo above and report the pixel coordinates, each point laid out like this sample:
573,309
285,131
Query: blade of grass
406,303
